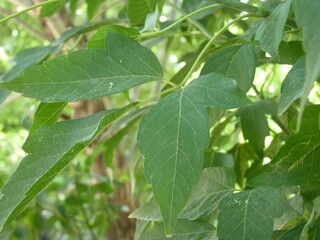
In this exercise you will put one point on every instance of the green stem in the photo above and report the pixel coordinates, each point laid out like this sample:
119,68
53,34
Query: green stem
152,34
199,58
26,10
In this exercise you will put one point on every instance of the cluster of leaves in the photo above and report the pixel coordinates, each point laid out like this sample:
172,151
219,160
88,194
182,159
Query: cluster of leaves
203,141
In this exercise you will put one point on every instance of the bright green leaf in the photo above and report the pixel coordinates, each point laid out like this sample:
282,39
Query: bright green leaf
49,9
291,88
249,214
89,73
214,184
92,7
237,62
307,18
172,137
98,40
191,230
46,114
50,149
269,32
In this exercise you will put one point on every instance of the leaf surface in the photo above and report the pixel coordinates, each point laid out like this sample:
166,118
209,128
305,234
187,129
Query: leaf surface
269,32
50,149
237,62
139,9
291,88
214,184
89,73
249,214
296,163
98,40
307,18
47,114
191,230
172,137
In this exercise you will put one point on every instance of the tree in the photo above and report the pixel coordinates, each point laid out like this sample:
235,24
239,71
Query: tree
213,93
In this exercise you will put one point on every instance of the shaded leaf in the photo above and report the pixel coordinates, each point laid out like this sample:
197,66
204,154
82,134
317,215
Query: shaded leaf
296,161
46,114
172,137
139,9
307,18
292,85
89,73
237,62
290,52
3,95
50,149
98,40
191,230
214,184
254,126
249,214
270,30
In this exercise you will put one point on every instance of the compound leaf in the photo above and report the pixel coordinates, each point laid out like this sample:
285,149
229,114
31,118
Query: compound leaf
172,137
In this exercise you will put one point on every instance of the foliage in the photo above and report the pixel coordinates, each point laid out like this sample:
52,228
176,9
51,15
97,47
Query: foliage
197,118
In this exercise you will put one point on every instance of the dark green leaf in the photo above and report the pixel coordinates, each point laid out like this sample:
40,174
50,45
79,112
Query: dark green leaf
46,114
290,52
296,161
254,126
214,184
291,88
90,73
139,9
50,149
307,18
269,32
191,230
249,214
237,62
98,40
172,137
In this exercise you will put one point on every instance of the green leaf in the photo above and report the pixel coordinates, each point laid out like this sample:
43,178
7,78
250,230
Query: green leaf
290,52
139,9
27,58
46,114
50,149
172,137
98,40
269,32
254,126
49,9
295,163
92,7
214,184
191,230
249,214
3,95
237,62
89,73
293,210
307,17
292,85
